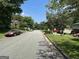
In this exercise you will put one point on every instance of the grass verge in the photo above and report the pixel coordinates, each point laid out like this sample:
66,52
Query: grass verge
67,43
1,35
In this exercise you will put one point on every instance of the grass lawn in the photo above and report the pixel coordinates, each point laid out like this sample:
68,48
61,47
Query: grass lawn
1,35
67,43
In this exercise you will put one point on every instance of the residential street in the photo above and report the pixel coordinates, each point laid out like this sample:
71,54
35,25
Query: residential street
24,46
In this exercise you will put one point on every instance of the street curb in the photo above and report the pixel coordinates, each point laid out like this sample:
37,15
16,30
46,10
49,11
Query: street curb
55,45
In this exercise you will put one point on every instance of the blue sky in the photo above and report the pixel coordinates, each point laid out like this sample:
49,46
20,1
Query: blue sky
36,9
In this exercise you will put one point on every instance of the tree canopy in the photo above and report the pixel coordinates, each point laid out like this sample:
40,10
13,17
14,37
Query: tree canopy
7,9
22,22
66,12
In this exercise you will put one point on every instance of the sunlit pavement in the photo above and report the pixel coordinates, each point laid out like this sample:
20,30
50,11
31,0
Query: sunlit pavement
29,45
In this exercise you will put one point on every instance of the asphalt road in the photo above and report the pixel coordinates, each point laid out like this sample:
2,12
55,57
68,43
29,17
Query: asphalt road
23,46
29,45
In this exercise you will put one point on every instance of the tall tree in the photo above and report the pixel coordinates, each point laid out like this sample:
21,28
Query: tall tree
7,8
66,10
22,22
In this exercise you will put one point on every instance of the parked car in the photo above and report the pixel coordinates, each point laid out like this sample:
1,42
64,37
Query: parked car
56,30
75,32
13,33
76,35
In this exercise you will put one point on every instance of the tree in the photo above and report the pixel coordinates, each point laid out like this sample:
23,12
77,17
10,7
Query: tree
7,9
30,22
73,8
22,22
37,26
66,11
43,26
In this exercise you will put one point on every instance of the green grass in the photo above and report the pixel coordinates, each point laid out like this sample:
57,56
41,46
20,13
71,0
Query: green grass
67,43
1,35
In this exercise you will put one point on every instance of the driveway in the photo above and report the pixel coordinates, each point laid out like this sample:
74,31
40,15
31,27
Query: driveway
24,46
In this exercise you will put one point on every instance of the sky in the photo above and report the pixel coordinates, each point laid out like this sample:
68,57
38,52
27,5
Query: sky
36,9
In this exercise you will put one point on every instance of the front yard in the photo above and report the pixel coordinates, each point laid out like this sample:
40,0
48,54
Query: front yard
67,43
1,35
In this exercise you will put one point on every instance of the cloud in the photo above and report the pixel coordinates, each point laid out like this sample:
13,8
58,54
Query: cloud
24,14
